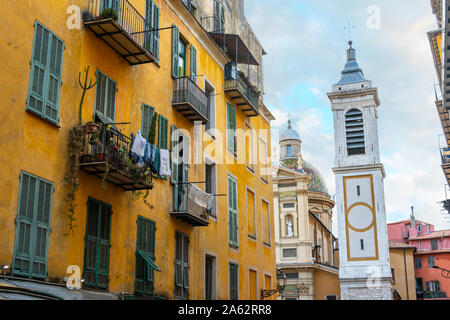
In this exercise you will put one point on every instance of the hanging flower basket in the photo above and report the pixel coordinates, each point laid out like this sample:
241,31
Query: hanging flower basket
92,127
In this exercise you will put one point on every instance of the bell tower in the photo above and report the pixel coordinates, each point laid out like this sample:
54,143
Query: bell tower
364,270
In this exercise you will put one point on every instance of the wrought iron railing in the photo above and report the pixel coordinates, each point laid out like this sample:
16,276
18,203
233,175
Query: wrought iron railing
213,24
247,90
434,295
186,91
128,17
108,145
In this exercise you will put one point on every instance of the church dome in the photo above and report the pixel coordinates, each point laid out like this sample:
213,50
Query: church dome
289,134
316,182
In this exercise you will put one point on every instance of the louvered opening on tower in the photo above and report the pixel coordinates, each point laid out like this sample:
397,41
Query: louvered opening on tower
354,131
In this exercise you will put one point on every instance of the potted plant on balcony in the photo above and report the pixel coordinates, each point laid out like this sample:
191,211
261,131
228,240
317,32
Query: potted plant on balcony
109,13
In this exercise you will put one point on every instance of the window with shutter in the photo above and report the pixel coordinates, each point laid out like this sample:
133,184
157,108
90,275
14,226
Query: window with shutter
163,133
175,51
232,212
181,265
219,17
147,117
193,64
105,102
234,281
152,14
33,227
45,77
231,129
145,256
97,244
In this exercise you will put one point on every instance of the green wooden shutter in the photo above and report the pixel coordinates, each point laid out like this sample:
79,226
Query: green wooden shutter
193,64
185,261
33,227
175,51
155,26
163,134
148,25
145,247
46,72
97,244
152,14
146,119
232,212
111,106
219,17
234,281
105,98
231,128
178,260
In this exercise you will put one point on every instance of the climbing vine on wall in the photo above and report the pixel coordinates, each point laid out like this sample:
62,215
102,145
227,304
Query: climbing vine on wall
71,178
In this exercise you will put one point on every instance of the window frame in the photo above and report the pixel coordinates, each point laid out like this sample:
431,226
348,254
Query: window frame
108,81
253,236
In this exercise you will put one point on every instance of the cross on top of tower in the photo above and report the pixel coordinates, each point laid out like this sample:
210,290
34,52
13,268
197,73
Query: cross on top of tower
349,28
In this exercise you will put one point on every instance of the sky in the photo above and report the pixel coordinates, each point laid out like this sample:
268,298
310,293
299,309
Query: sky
306,42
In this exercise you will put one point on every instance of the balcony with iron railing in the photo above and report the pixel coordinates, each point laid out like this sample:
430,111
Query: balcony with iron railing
123,28
242,93
187,206
231,44
190,100
105,154
434,295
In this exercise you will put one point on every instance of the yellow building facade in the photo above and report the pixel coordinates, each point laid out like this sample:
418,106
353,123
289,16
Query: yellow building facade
148,57
401,257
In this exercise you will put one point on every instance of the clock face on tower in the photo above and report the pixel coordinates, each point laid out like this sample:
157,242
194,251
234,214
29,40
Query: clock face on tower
360,218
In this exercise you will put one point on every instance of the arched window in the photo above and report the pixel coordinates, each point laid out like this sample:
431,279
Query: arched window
354,131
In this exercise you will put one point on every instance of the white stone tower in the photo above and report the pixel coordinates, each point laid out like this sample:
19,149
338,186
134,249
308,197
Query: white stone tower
364,268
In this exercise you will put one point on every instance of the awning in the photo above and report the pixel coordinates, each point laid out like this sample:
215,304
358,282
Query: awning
149,261
235,48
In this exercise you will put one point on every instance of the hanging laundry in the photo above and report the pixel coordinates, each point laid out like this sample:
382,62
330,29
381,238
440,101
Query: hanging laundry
165,163
138,149
139,145
156,163
201,198
149,154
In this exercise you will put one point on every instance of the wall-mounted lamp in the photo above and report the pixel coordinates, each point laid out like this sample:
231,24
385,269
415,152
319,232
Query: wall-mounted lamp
281,284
